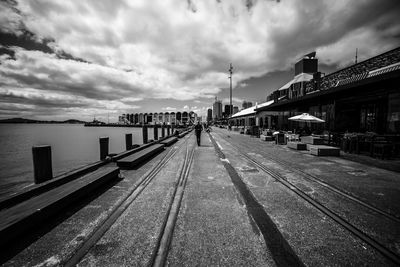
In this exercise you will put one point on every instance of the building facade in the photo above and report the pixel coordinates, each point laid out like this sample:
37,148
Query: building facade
364,97
217,110
167,118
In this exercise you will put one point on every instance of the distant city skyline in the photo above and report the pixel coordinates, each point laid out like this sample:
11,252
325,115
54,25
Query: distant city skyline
83,59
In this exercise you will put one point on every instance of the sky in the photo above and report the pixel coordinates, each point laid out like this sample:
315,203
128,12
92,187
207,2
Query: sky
102,58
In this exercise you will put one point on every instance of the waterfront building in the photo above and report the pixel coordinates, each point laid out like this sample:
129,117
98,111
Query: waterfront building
363,97
185,117
166,118
217,110
209,115
179,118
247,117
173,118
246,104
141,118
227,110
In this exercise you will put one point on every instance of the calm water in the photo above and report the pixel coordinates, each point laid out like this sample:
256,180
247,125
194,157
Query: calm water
72,146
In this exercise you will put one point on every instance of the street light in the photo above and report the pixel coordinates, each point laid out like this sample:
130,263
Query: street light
230,98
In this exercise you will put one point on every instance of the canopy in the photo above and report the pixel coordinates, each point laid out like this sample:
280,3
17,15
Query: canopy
302,77
306,117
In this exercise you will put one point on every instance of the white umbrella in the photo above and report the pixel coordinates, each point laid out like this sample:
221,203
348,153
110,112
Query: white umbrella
306,118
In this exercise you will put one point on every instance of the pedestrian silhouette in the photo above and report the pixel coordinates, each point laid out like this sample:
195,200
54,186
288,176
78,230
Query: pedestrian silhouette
198,128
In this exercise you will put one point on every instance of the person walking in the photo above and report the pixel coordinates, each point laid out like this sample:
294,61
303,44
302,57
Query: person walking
198,128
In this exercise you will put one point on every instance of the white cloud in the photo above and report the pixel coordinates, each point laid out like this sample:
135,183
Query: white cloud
164,50
169,109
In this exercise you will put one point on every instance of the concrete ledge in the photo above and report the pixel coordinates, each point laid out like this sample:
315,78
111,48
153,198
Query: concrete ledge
266,137
324,150
169,141
135,159
131,151
312,140
297,145
182,134
34,190
29,214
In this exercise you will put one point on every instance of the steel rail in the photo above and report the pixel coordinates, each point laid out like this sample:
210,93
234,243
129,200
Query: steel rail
160,252
119,208
332,188
389,254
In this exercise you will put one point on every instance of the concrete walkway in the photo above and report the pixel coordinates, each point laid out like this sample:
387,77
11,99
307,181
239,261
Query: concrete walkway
232,212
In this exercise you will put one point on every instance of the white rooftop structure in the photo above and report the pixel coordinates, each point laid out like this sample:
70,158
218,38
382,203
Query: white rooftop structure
251,110
302,77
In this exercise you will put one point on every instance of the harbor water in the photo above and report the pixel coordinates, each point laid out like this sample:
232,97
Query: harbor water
72,146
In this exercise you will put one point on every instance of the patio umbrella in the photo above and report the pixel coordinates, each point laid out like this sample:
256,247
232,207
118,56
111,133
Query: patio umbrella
306,118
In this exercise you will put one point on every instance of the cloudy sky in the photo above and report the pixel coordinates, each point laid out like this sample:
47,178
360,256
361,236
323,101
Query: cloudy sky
80,59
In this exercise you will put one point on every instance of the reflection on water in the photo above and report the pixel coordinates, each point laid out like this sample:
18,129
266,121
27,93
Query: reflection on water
72,146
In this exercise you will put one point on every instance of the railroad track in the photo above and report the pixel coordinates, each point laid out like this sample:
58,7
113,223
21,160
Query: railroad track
160,252
386,252
313,178
161,249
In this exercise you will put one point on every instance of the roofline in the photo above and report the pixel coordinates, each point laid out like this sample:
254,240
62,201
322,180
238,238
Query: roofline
358,63
332,90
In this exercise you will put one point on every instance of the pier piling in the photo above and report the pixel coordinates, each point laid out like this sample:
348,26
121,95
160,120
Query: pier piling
103,147
155,132
128,141
144,133
42,166
162,131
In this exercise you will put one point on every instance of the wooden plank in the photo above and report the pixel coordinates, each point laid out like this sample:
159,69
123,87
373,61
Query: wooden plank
322,150
169,141
312,140
182,134
135,149
137,158
297,145
34,190
266,137
26,215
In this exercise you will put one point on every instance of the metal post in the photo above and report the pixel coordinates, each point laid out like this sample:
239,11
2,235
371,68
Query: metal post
162,131
103,147
144,133
128,141
230,96
168,130
42,166
155,132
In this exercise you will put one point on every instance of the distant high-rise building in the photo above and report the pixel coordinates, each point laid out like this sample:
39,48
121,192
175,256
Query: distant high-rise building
209,115
217,109
235,109
246,104
227,110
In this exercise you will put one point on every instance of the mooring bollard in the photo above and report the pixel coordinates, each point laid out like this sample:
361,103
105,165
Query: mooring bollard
144,133
103,147
42,166
168,130
128,141
155,132
162,131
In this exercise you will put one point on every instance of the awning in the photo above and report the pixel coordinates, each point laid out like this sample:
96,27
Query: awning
251,110
302,77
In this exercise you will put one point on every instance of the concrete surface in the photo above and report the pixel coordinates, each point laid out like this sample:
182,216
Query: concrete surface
215,225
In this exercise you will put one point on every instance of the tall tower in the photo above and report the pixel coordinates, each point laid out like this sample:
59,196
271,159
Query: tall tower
230,95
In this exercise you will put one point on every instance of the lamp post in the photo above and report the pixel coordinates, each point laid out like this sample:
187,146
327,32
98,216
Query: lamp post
230,96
